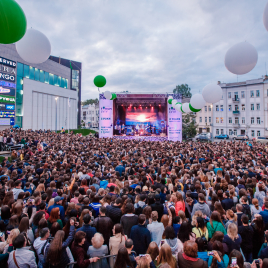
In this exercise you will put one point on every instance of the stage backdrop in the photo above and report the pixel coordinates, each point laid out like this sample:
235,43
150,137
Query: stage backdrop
105,118
174,121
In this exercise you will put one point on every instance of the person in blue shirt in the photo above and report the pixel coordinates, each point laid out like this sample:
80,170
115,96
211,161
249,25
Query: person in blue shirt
264,213
218,247
120,168
58,204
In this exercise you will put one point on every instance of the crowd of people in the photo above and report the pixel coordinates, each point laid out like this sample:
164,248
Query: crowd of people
74,201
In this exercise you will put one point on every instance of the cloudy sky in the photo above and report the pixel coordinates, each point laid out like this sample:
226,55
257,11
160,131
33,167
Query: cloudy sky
150,45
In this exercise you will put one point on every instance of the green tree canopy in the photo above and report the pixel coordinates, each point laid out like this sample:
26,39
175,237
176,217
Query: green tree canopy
90,101
183,89
189,125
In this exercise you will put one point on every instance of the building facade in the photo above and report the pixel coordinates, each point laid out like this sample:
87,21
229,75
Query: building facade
45,97
241,111
90,115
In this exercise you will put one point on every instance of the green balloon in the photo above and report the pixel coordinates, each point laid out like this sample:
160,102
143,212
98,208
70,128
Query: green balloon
182,110
170,101
193,109
13,23
113,96
99,81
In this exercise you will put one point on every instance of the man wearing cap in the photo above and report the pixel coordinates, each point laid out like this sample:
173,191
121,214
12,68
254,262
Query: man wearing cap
57,204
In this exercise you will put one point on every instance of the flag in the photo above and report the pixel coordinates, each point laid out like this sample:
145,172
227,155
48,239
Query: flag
71,65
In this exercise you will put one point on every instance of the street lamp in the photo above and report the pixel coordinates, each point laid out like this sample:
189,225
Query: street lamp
56,113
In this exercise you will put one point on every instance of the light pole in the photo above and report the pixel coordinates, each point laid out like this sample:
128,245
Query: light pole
56,113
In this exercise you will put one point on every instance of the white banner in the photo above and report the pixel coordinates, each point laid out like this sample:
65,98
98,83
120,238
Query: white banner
105,118
174,124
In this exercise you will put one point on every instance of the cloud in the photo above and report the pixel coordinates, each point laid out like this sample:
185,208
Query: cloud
150,45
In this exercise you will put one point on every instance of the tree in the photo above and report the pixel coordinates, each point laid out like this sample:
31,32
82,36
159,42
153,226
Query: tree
183,89
90,101
189,125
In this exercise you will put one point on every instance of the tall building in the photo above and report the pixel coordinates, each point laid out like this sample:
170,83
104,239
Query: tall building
242,109
39,96
90,115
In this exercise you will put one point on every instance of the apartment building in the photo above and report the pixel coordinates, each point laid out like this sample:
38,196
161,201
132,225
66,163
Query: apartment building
242,110
90,115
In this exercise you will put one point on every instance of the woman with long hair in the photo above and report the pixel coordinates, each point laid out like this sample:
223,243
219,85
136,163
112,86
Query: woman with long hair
153,250
255,208
54,217
218,246
37,217
84,212
233,240
239,258
258,228
166,256
185,232
42,224
25,227
215,224
231,217
178,201
200,230
122,259
56,254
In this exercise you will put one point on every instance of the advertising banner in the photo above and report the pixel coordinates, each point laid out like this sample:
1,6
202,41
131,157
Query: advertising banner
174,123
105,118
7,99
7,91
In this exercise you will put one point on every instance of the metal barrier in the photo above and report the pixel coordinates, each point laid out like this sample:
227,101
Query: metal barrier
103,262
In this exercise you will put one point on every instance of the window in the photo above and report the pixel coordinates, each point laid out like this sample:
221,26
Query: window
236,120
243,120
221,120
209,108
258,106
46,77
26,72
229,95
235,132
221,108
236,108
242,94
243,107
217,108
230,108
200,119
75,79
251,94
209,119
55,80
242,132
257,93
42,76
217,131
236,96
20,69
252,106
258,133
36,74
217,120
51,79
206,119
206,108
253,133
230,131
31,73
258,120
230,120
222,131
252,120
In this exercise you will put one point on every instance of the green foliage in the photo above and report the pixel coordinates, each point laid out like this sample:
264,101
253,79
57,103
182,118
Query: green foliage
90,101
183,89
83,131
189,125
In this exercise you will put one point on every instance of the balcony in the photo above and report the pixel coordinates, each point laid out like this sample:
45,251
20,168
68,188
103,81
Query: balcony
236,100
236,112
236,125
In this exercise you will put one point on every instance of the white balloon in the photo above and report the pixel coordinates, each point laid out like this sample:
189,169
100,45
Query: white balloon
241,58
107,95
34,47
265,17
178,107
212,93
197,101
174,102
185,107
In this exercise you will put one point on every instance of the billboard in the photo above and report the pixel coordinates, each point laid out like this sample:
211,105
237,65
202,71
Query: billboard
105,118
174,123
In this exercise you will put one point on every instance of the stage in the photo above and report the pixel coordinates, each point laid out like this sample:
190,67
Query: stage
141,138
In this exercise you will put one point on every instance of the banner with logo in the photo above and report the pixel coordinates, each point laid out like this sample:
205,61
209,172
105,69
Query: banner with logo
174,123
105,118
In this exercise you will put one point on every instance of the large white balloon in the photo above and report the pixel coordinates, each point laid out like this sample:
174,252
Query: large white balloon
185,107
241,58
265,17
212,93
197,101
107,95
174,102
178,107
34,47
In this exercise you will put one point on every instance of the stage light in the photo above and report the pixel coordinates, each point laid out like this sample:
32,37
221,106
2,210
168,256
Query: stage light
146,107
150,104
159,104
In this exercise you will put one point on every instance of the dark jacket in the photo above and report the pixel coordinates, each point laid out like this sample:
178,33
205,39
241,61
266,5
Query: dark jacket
232,244
80,256
246,233
90,231
257,240
114,213
264,253
104,225
141,238
127,223
182,262
239,222
64,259
227,203
157,206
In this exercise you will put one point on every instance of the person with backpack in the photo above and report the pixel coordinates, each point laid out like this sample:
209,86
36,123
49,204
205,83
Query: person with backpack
215,224
246,208
201,230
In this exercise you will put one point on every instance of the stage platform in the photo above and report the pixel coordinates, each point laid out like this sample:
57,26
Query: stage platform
141,138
